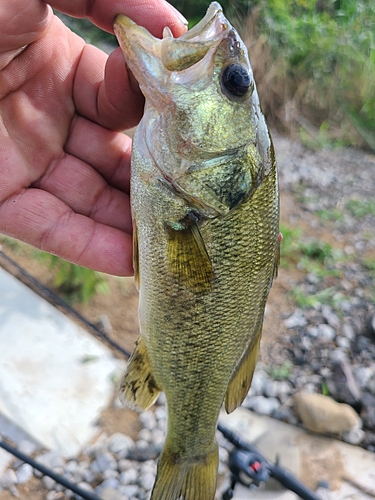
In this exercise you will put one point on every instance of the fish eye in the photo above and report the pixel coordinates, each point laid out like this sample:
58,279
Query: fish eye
236,80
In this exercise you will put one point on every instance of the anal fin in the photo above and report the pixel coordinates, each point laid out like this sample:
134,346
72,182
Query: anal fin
241,379
139,389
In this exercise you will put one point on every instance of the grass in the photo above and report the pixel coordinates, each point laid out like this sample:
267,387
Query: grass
329,296
281,372
359,208
76,283
308,253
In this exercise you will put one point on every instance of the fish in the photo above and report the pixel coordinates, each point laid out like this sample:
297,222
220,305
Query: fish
205,210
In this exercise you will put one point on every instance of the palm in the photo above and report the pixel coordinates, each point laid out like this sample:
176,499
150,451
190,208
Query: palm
64,172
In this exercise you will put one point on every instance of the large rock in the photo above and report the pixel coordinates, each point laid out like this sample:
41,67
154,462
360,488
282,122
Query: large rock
322,414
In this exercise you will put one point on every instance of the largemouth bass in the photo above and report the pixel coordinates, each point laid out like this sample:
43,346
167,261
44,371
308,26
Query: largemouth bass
205,206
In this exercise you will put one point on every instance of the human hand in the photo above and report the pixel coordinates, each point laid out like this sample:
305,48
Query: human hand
64,165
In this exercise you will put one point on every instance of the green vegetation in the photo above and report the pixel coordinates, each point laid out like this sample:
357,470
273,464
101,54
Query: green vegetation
280,372
76,283
329,296
326,51
312,255
314,61
325,390
332,214
359,208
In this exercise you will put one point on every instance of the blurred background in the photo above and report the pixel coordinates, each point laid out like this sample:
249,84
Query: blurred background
314,65
313,60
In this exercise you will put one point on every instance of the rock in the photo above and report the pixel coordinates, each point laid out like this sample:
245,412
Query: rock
108,493
145,435
130,490
129,476
322,414
342,385
270,389
343,343
146,480
264,406
104,461
27,447
295,320
348,331
107,474
107,484
8,479
118,442
85,486
354,436
330,316
24,473
363,375
51,459
160,415
148,420
326,333
371,327
283,390
158,437
259,382
49,483
124,465
368,410
142,444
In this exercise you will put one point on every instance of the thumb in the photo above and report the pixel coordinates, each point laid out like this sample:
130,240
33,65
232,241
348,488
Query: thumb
21,23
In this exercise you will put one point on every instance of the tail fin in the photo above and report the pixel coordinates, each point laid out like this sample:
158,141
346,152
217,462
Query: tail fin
189,480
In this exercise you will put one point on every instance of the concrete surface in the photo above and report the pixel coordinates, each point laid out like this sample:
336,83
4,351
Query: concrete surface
55,378
349,470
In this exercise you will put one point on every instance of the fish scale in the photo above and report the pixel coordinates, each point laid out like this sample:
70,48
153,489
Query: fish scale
205,208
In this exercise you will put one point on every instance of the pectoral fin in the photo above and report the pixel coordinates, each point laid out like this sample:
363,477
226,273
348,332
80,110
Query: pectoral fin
241,380
188,258
139,389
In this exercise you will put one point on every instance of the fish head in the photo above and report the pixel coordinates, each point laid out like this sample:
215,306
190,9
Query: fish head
200,84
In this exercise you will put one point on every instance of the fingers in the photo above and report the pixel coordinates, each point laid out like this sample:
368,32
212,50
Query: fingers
103,92
106,151
153,14
84,190
45,222
21,22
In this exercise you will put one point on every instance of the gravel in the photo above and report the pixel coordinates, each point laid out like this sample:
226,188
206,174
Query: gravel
329,345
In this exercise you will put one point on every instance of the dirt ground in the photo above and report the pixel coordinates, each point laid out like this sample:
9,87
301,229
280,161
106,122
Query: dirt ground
119,306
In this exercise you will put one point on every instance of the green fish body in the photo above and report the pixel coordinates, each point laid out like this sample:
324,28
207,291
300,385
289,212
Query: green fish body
205,206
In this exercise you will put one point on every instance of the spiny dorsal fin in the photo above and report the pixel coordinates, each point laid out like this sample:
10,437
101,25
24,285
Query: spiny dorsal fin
188,258
139,389
241,379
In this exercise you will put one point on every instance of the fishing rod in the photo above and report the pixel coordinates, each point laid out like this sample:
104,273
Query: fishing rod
46,471
249,467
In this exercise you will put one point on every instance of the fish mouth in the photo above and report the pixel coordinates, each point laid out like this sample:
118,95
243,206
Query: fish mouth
175,54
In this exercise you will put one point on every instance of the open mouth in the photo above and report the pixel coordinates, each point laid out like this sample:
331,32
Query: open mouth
176,54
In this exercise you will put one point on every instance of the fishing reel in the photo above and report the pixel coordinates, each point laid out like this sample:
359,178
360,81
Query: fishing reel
247,468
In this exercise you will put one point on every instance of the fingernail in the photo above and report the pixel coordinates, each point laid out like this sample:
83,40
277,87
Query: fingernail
184,21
